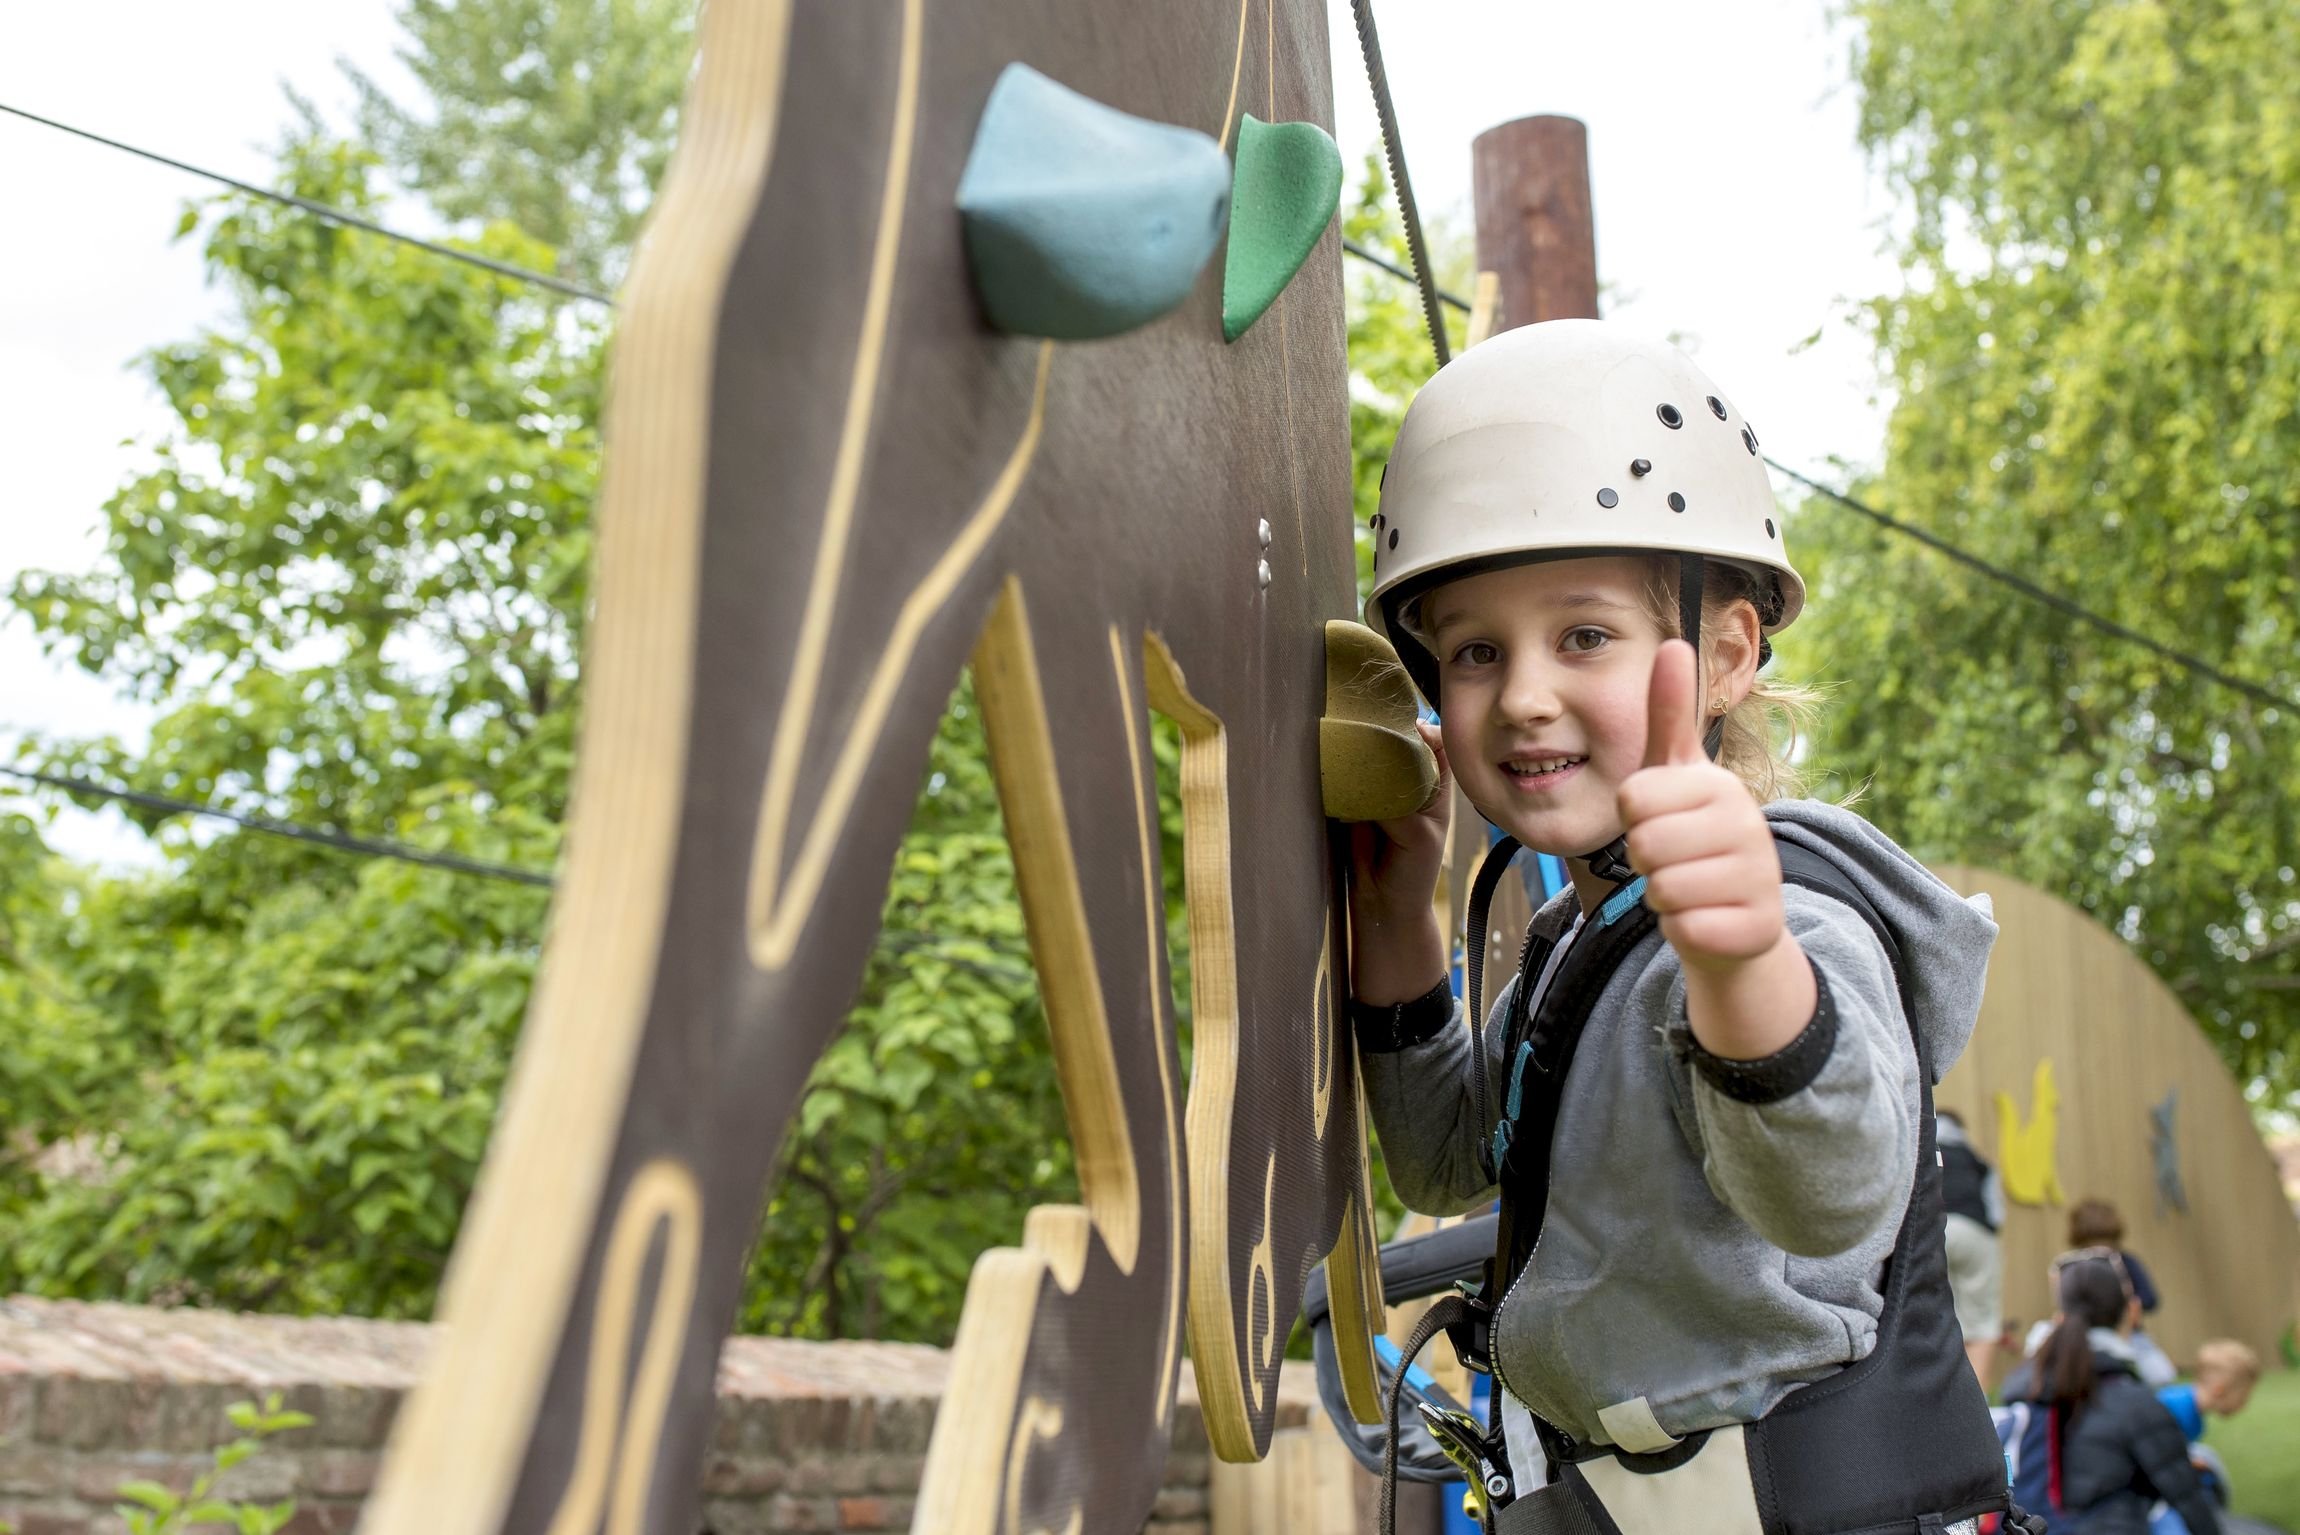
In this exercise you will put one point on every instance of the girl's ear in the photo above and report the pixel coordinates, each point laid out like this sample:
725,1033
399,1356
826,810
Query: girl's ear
1733,638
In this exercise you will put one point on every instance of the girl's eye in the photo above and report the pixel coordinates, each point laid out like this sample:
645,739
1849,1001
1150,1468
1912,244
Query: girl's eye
1585,639
1476,653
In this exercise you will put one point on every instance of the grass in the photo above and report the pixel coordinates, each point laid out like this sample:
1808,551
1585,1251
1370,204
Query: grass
2262,1447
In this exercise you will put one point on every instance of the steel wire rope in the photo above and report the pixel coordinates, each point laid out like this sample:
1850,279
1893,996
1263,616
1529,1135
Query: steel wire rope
372,847
1370,45
2066,606
561,285
324,211
291,830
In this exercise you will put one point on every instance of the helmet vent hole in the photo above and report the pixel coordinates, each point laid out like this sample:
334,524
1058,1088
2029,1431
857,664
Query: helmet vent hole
1670,417
1769,533
1608,497
1749,441
1640,467
1717,407
1393,538
1676,501
1377,522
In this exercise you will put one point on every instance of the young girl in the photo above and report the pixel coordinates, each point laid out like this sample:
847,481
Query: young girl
1720,1302
2095,1438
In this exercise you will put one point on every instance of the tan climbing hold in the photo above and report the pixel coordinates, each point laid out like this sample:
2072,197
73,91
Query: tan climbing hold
1372,763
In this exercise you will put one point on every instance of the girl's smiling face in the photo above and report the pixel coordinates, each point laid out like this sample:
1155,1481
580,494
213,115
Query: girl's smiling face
1543,671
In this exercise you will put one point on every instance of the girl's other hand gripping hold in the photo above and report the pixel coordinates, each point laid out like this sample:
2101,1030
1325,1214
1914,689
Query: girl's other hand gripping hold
1711,872
1397,952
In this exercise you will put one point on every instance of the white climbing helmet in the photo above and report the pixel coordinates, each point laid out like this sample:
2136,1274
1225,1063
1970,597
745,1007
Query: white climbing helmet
1569,437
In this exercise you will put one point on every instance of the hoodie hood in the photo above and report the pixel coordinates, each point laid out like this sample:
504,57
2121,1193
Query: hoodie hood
1944,937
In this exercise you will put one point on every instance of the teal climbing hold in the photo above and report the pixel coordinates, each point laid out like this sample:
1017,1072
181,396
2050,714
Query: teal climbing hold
1288,184
1081,220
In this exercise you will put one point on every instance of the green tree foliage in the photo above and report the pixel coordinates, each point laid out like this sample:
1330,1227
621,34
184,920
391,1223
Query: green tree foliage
558,115
2098,386
351,580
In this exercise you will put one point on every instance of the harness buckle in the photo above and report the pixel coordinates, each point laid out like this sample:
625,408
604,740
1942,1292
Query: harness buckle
1472,1335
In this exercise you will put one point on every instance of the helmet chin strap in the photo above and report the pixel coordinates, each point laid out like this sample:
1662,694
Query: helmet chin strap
1611,862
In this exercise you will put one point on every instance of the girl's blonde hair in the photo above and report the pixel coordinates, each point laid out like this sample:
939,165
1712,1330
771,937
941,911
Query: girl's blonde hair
1761,731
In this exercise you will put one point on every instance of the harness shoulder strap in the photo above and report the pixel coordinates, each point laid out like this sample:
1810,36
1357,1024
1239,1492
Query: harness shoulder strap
1808,870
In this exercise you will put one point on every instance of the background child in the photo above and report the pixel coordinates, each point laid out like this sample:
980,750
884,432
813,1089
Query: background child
2096,1223
1975,1200
2226,1372
2092,1449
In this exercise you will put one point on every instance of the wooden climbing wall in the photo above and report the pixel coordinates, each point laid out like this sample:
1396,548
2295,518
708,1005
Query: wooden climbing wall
828,486
2063,989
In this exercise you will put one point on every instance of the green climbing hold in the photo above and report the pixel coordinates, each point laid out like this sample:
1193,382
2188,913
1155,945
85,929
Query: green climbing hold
1283,193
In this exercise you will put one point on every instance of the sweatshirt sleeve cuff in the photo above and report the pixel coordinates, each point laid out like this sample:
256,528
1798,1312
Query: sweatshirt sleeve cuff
1387,1030
1790,1069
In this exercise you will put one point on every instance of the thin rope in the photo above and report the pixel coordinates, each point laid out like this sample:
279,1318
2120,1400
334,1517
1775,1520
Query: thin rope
2051,599
1373,258
290,830
323,211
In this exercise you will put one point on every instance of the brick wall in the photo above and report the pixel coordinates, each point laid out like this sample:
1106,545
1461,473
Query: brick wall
811,1436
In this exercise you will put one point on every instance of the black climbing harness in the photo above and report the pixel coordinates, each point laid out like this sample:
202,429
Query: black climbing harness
1814,1465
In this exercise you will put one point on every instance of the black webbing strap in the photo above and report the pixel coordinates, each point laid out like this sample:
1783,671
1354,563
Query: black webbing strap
1561,1508
1692,577
1489,877
1443,1313
1554,1033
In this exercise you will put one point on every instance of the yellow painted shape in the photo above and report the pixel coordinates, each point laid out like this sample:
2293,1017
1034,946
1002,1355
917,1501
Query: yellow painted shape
1154,940
1022,762
1237,71
2025,1151
1354,1291
1041,1420
622,1433
1214,1344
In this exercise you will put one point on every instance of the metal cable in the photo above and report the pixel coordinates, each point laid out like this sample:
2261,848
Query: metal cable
288,829
2051,599
331,214
1007,971
1370,44
1374,258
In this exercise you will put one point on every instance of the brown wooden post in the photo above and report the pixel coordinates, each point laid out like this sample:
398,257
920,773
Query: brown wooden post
1531,180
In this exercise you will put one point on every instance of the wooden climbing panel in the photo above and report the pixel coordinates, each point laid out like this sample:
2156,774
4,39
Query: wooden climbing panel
828,486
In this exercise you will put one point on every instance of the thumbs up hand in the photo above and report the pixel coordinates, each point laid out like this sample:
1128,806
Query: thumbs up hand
1697,835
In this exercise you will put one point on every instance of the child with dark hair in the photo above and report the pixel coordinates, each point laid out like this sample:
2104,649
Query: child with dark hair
2097,1223
2092,1448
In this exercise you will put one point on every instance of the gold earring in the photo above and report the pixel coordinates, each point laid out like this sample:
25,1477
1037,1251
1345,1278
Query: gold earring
1716,706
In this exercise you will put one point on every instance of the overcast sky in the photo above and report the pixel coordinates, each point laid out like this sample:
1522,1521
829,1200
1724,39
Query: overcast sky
1733,208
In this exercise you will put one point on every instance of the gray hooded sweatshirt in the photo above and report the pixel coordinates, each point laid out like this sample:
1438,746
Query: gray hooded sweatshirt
1701,1251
